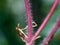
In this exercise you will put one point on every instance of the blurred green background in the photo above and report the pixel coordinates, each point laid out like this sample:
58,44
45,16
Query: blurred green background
13,12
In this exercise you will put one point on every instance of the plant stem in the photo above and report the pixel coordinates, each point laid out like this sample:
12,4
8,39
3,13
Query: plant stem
46,20
54,30
29,17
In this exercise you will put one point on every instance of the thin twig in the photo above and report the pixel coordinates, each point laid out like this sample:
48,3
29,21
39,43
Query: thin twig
46,20
54,30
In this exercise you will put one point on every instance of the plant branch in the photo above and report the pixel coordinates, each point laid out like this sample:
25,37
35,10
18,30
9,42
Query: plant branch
54,30
29,17
46,20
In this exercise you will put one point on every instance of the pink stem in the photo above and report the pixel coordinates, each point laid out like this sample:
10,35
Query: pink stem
46,20
54,30
29,17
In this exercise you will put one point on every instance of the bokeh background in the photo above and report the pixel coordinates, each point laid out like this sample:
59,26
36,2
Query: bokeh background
13,12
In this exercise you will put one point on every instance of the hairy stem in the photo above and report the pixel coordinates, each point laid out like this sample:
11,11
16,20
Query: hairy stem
29,17
46,20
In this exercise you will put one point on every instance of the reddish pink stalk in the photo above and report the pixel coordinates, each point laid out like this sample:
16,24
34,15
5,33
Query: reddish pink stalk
46,20
54,30
29,17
